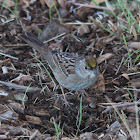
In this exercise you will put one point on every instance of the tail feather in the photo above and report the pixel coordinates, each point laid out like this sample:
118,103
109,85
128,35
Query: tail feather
32,41
39,46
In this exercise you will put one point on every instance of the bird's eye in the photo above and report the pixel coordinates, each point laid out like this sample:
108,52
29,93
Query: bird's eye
86,68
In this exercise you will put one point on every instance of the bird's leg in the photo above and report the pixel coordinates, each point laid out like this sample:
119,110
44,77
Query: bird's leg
65,100
84,94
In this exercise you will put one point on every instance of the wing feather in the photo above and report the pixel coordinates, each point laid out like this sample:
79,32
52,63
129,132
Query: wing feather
66,61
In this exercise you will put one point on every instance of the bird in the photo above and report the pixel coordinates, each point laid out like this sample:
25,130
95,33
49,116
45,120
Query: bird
72,71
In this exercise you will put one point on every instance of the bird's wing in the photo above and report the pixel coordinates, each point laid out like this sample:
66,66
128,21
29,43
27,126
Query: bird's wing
66,61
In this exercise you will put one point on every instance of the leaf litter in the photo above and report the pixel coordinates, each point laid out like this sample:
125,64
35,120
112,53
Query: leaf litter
33,107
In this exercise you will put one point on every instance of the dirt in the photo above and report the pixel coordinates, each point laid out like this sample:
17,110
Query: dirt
48,106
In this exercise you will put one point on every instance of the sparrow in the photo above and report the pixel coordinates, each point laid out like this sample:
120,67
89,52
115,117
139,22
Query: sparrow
72,71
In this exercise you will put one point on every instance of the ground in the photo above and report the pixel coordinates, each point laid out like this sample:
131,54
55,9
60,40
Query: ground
34,105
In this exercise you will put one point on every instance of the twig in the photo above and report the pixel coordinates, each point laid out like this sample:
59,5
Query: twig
79,23
54,38
119,66
7,55
7,21
20,87
90,6
133,89
120,106
16,45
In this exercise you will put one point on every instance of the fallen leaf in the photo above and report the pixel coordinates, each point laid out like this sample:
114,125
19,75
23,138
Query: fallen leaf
50,3
83,29
4,69
16,131
62,3
41,112
84,12
135,83
86,136
126,76
100,85
134,32
96,2
132,109
108,5
7,114
53,29
22,78
134,45
107,40
66,138
116,82
7,3
33,119
133,69
104,57
26,3
42,3
17,107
